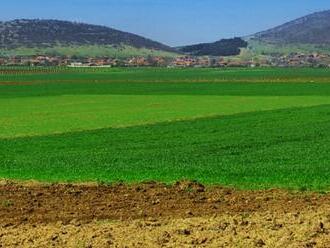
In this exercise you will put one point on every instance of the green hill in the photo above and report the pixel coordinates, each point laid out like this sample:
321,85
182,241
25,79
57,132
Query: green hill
53,37
307,34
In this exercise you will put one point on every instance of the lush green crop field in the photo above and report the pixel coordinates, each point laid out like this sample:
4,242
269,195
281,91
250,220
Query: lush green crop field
249,128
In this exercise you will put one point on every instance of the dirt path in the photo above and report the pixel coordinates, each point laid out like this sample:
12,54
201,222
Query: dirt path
157,215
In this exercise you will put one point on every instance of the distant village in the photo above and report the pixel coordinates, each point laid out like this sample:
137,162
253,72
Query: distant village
291,60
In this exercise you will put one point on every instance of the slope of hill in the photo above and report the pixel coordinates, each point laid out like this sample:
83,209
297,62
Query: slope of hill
311,29
307,34
41,35
224,47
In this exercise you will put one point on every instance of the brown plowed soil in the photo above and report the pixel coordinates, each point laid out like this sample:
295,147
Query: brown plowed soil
157,215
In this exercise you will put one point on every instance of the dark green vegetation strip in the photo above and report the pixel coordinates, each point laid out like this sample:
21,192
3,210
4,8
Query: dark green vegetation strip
154,81
286,148
126,88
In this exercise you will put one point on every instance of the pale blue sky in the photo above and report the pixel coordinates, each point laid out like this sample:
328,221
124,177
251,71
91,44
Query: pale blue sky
174,22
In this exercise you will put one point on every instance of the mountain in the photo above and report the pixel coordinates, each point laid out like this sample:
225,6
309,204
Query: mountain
30,35
307,34
224,47
310,29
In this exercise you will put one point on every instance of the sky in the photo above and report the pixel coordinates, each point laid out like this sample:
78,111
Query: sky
173,22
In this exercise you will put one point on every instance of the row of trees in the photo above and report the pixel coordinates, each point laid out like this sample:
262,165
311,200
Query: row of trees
225,47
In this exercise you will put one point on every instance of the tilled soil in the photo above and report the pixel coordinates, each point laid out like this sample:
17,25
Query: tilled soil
157,215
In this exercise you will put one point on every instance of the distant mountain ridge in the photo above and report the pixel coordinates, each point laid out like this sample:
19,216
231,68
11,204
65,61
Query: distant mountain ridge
25,37
310,29
48,33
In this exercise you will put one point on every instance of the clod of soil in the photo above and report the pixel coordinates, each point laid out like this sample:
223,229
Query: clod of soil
186,214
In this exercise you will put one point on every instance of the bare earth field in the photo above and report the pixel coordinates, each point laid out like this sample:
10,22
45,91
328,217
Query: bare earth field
185,214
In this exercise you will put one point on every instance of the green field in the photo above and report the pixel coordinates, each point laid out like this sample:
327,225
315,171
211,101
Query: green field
247,128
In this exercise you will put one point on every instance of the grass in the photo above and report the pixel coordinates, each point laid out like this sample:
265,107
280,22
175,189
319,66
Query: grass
259,47
153,124
283,148
7,203
121,52
59,114
35,75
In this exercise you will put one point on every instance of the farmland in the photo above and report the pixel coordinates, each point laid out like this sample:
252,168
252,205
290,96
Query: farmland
247,128
154,157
